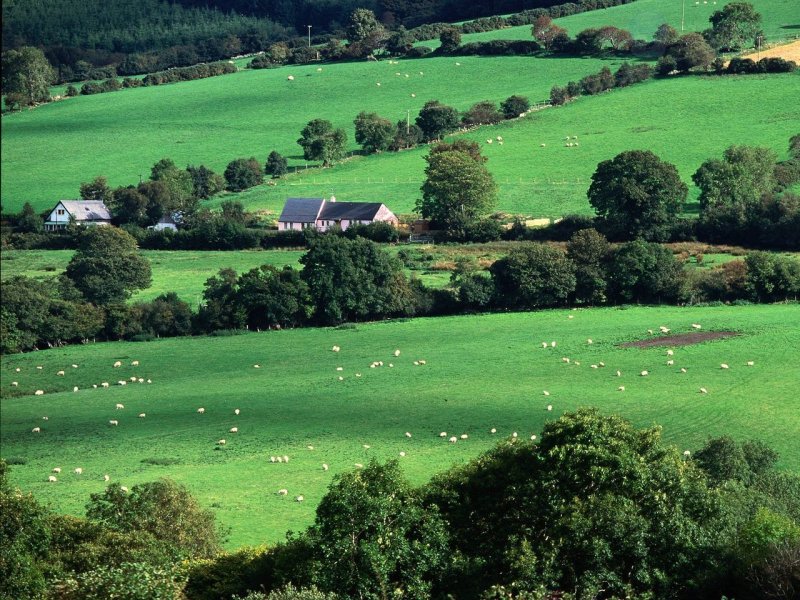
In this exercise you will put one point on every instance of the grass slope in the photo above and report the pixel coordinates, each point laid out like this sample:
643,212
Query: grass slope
49,151
684,121
780,20
295,400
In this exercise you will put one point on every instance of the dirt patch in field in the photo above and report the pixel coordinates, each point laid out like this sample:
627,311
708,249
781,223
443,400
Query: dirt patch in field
787,51
680,339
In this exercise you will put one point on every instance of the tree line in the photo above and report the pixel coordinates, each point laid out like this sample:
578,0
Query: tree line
592,508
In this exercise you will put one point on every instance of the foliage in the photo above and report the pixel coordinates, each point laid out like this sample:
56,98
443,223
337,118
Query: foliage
589,251
482,113
26,77
364,32
97,189
436,120
450,39
289,592
271,297
547,33
637,195
373,534
666,34
691,51
276,165
132,581
28,221
107,267
644,272
771,277
320,141
354,280
458,188
164,509
734,27
205,183
533,276
514,106
243,173
373,132
128,205
724,459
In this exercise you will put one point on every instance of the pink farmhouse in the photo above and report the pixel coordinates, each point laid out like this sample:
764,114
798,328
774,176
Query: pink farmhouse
321,214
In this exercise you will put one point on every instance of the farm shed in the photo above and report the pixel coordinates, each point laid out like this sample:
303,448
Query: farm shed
321,214
82,212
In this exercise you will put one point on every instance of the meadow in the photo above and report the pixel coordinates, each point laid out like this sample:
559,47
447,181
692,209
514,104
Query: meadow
481,372
780,20
684,121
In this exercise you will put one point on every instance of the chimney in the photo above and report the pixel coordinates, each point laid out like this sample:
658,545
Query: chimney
333,198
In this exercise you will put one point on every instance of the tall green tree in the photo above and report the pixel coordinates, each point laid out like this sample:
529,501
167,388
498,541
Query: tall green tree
437,119
458,188
107,267
129,206
243,173
28,221
734,27
637,195
320,141
590,251
276,165
97,189
450,39
644,272
272,297
354,280
533,276
26,76
373,132
691,51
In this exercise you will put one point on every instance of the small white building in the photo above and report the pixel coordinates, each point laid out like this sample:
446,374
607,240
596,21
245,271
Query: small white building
322,214
166,222
83,212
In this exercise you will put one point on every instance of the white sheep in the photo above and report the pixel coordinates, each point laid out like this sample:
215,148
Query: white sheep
201,410
135,363
396,353
283,492
358,465
335,349
117,364
290,78
17,370
279,459
644,373
256,366
133,379
544,344
489,141
45,418
104,384
464,436
38,393
140,380
234,430
78,471
683,370
595,367
549,407
724,366
408,434
299,499
453,439
142,415
565,359
94,386
324,467
221,443
546,393
56,469
60,373
750,363
543,145
74,366
670,353
75,388
14,383
341,378
236,411
443,434
113,422
703,390
106,477
52,479
366,446
552,344
123,489
686,453
402,454
120,406
342,368
40,368
122,382
589,341
697,325
285,458
621,388
514,435
493,430
272,459
310,447
149,381
36,430
670,362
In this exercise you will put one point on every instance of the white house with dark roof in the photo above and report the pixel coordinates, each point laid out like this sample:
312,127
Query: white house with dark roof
321,214
83,212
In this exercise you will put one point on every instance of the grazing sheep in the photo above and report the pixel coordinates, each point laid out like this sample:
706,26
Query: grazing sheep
358,465
697,325
104,384
140,380
686,453
650,331
670,353
290,78
78,471
594,366
543,145
120,406
602,364
94,386
724,366
14,383
40,368
589,341
644,373
36,430
280,459
17,370
299,499
423,362
201,410
621,388
122,383
378,84
359,374
310,447
366,446
489,141
117,364
236,411
546,393
133,379
533,438
458,64
74,366
342,368
135,363
683,370
221,443
464,436
113,422
514,435
233,430
670,362
324,467
256,366
544,344
285,458
443,434
335,349
571,316
106,477
552,344
396,353
750,363
549,407
60,373
75,388
565,359
56,469
45,419
52,479
493,430
402,454
499,138
703,390
38,393
272,459
149,381
341,378
408,434
142,415
283,492
123,488
453,440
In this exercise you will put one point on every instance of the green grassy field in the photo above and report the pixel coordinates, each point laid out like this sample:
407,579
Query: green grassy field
212,121
481,372
780,20
684,121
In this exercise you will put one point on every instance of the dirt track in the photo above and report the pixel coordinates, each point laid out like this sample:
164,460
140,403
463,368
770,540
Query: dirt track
681,339
787,51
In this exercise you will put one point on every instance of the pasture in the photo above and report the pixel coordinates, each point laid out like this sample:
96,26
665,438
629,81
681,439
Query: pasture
212,121
780,20
684,121
480,372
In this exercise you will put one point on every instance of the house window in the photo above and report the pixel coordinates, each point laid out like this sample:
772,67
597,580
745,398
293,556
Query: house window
60,211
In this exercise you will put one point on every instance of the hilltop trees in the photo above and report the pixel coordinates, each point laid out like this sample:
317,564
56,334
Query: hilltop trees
364,32
26,77
243,173
276,165
373,132
688,52
436,120
637,195
450,40
533,276
107,267
320,141
458,188
514,106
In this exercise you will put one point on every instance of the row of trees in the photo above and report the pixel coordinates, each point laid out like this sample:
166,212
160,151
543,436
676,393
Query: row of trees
596,508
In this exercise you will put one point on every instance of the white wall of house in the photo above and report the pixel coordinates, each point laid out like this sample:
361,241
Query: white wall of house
58,218
293,226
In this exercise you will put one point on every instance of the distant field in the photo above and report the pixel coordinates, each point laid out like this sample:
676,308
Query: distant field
212,121
481,372
684,121
781,20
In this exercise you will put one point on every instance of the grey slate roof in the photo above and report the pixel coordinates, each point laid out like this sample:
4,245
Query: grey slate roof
87,210
300,210
351,211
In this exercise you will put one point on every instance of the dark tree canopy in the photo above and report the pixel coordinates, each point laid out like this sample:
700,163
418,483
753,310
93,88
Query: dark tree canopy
482,113
437,119
107,267
26,76
320,141
637,195
450,39
644,272
243,173
691,51
515,106
97,189
276,165
533,276
458,188
373,132
734,27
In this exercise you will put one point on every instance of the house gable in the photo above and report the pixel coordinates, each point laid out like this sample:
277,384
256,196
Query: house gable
85,212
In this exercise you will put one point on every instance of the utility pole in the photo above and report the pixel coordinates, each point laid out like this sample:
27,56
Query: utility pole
408,121
309,35
683,13
759,39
